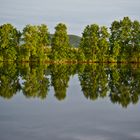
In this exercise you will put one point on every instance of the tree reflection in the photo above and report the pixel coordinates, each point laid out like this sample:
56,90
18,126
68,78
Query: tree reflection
94,81
36,84
59,80
124,85
119,82
9,82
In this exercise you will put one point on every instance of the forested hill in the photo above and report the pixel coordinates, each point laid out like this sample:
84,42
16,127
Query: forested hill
74,40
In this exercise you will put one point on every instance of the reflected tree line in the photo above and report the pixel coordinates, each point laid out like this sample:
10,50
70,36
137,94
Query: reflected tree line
119,82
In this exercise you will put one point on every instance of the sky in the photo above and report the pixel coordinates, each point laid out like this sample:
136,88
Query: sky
76,14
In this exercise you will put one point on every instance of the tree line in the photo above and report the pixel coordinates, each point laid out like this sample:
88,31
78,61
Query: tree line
119,43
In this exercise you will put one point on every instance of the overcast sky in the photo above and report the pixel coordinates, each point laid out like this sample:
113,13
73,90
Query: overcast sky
75,13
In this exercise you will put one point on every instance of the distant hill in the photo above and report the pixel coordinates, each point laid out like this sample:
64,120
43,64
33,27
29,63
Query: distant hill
74,40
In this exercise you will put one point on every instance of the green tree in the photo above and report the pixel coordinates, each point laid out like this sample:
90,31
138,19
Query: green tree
60,43
103,45
30,39
36,42
89,42
114,41
135,42
94,43
43,43
9,42
124,40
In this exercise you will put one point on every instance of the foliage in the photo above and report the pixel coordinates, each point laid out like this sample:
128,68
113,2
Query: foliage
35,84
94,43
120,83
59,80
36,42
60,43
9,82
9,42
120,43
125,40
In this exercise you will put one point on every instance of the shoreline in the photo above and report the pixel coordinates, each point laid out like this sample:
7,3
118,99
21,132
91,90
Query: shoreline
72,62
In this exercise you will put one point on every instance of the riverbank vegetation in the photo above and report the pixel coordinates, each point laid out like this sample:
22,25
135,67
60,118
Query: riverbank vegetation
119,43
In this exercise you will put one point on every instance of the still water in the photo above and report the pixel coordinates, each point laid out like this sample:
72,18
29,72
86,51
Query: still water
69,102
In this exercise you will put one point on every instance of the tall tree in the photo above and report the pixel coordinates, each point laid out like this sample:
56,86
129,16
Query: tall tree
89,42
103,45
9,42
44,43
60,43
94,43
30,39
125,40
135,41
114,37
36,40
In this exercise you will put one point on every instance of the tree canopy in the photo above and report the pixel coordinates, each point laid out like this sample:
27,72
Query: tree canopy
60,43
119,43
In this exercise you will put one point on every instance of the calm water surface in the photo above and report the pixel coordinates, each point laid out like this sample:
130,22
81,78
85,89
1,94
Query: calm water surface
69,102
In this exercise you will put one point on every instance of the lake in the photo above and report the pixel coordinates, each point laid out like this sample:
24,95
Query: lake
69,101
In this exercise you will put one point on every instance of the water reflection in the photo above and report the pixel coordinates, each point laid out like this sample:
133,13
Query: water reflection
120,83
60,76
